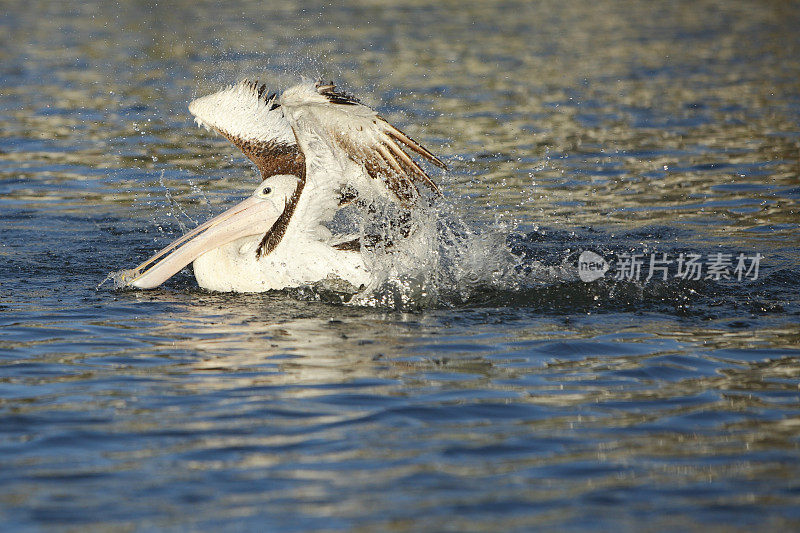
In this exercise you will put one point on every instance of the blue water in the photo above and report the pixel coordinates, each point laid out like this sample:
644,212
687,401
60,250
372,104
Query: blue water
531,402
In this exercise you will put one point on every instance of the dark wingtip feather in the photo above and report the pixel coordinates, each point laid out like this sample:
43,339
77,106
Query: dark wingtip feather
260,89
328,90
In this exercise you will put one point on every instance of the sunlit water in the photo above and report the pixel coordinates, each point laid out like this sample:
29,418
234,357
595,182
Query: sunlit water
496,392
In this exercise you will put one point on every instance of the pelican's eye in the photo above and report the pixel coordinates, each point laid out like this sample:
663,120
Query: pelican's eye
266,190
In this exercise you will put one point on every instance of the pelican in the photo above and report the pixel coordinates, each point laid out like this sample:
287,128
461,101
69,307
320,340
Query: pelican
317,150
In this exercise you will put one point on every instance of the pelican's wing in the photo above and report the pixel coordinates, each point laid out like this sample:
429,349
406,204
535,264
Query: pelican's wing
341,137
252,120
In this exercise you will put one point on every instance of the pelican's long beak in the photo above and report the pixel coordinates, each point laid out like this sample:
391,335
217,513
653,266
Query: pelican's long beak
253,216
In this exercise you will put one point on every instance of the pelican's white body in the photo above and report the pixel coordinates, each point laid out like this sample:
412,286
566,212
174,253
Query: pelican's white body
342,143
233,267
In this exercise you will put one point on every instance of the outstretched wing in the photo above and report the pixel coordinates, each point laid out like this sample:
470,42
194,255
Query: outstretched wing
252,120
338,148
334,130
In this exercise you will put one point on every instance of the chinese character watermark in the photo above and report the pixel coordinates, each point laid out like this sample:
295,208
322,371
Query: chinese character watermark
631,266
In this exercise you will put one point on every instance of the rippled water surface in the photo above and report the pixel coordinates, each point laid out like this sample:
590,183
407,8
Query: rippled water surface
511,403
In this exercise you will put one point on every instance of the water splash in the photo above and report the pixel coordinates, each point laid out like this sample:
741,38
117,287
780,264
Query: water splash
437,259
120,279
174,204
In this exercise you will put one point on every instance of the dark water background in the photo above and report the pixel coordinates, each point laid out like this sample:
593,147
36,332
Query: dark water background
613,126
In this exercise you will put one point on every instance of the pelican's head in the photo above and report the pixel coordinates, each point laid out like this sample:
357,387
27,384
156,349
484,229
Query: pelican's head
265,212
277,190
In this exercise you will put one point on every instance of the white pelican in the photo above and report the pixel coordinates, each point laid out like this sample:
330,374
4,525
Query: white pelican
317,149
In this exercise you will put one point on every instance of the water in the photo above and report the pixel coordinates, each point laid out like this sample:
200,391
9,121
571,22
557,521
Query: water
506,405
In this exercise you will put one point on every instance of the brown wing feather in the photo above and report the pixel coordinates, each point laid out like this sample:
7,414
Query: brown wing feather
270,158
386,159
412,144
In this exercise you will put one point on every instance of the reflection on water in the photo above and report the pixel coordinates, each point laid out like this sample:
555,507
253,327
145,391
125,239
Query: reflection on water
608,126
